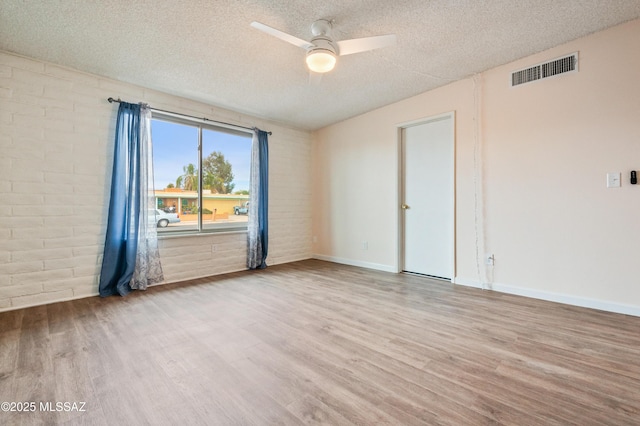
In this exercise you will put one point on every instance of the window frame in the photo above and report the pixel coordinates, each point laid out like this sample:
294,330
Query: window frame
201,124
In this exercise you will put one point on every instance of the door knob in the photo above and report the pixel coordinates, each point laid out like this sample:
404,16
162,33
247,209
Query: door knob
404,207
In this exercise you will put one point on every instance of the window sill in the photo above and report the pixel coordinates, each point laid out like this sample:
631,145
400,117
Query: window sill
193,234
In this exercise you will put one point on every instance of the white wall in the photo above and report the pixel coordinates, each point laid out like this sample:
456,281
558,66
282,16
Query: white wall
543,152
56,139
356,179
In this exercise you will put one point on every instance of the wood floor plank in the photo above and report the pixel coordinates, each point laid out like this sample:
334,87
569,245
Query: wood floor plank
312,411
316,343
301,377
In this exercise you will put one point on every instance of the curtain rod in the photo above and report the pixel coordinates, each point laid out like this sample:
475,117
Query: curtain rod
112,100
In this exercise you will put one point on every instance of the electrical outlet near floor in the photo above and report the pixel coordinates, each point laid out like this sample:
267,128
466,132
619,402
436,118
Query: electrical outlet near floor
365,245
490,259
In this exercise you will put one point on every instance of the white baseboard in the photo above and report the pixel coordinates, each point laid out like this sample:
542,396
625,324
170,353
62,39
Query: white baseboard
566,299
351,262
290,259
466,283
48,302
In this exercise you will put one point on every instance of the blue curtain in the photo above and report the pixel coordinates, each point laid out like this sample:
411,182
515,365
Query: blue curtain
131,258
258,227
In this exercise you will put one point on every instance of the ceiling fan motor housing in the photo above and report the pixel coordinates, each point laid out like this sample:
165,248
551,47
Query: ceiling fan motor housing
323,43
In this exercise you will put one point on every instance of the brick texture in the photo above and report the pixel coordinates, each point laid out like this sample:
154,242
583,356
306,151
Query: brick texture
56,138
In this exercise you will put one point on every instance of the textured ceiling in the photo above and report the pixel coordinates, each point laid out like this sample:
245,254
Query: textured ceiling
205,50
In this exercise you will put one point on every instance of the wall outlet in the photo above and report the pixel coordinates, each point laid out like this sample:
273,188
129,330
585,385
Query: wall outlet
365,245
490,260
315,239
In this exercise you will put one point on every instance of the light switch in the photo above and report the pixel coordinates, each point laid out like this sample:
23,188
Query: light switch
613,180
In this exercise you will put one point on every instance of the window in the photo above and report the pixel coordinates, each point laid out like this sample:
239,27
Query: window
201,175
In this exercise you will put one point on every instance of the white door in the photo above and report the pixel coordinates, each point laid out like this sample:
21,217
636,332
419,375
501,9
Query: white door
427,197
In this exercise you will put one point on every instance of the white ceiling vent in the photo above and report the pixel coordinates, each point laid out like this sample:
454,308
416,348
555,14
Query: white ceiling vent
548,69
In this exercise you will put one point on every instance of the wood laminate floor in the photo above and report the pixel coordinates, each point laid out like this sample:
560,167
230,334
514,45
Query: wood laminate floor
318,343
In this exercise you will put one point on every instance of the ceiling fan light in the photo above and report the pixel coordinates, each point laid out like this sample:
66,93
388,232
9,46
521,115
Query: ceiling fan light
321,61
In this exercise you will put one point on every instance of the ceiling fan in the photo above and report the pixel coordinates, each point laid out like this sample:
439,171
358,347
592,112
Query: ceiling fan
322,50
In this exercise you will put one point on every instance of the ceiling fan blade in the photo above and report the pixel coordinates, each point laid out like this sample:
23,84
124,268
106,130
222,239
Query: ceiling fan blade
357,45
281,35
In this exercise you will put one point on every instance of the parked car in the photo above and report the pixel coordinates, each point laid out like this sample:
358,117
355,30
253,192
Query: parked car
163,219
241,209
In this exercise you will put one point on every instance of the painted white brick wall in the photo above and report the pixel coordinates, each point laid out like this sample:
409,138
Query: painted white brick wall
56,150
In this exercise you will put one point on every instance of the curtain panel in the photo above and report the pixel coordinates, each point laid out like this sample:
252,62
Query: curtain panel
131,258
258,226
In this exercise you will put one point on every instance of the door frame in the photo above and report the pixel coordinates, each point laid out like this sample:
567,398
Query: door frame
401,185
